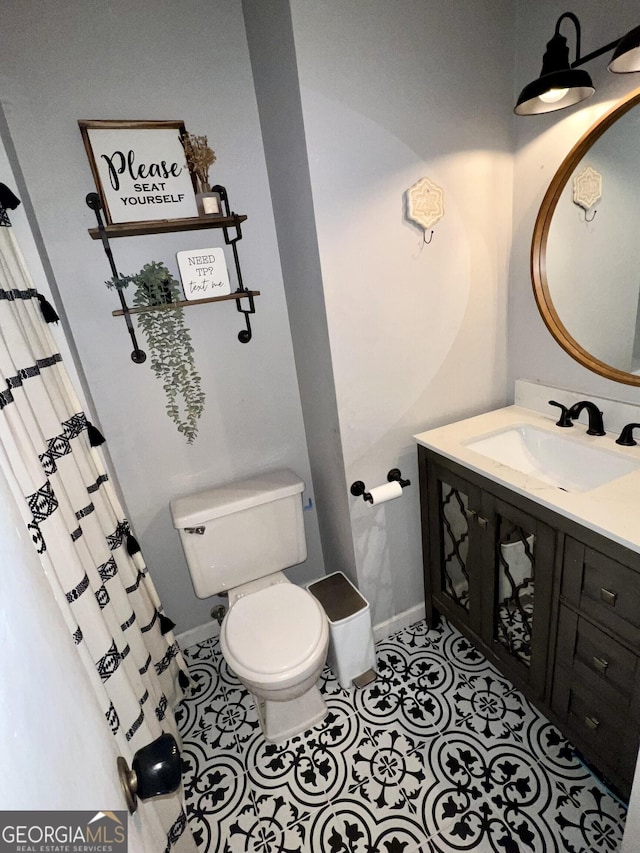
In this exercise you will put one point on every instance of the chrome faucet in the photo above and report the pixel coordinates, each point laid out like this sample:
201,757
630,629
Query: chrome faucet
596,426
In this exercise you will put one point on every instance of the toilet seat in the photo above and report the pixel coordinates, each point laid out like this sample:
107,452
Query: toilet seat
275,634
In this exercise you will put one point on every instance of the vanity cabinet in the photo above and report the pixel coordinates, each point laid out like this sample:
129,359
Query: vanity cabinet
489,569
554,605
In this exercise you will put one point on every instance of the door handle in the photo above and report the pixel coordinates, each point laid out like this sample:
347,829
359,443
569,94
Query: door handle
472,515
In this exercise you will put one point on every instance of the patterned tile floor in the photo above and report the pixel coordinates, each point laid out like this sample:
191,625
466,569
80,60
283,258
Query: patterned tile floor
439,754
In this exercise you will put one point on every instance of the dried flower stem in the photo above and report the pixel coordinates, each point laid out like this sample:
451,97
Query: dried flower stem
200,158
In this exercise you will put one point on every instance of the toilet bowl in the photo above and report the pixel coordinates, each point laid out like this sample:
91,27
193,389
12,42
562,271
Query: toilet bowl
275,638
237,538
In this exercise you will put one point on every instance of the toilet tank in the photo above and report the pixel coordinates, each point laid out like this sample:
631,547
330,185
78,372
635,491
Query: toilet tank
241,531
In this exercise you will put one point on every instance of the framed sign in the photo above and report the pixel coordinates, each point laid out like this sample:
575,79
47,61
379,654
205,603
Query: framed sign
140,170
204,273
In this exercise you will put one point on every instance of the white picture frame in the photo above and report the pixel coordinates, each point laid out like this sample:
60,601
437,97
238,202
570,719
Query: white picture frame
203,273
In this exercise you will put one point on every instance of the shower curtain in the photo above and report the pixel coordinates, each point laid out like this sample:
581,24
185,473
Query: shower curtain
92,561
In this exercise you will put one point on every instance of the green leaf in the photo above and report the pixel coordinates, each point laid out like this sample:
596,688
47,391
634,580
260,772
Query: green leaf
169,345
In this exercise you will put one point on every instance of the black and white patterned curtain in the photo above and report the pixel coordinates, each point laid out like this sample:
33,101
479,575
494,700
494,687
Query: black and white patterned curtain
49,454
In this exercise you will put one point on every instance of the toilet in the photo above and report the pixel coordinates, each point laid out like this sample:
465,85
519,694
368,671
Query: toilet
237,538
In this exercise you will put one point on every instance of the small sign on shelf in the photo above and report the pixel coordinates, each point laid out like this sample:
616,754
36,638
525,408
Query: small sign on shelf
204,273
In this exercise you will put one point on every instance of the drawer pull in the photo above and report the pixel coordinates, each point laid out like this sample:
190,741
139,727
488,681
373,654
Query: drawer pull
591,723
608,597
600,664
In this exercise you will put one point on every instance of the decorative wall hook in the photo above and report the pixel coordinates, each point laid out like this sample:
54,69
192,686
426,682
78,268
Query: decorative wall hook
587,190
425,205
155,770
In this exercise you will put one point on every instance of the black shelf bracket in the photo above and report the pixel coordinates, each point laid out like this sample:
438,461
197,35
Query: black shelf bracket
138,356
245,335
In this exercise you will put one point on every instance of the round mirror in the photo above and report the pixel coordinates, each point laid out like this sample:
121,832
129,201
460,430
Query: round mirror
585,256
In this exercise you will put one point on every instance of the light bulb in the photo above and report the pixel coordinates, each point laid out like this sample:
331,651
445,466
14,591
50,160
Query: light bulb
552,96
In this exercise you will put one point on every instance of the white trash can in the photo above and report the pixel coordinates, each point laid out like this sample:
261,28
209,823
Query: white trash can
352,654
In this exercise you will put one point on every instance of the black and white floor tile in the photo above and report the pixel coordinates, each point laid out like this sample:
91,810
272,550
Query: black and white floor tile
439,754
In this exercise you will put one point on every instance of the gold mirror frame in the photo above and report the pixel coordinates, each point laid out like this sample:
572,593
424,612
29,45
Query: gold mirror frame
541,236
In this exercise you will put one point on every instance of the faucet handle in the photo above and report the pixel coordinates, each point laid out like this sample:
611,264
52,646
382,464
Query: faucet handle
626,438
565,420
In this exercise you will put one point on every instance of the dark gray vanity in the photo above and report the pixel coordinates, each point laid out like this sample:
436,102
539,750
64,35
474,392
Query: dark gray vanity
552,602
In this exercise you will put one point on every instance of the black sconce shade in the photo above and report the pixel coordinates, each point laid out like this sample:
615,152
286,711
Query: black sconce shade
558,86
561,84
626,57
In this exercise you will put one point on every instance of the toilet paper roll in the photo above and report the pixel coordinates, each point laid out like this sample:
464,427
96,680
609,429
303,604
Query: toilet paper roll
388,492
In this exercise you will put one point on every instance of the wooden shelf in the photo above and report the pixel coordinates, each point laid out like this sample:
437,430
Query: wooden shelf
242,294
164,226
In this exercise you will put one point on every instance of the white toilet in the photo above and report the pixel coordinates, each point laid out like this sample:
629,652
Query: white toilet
237,538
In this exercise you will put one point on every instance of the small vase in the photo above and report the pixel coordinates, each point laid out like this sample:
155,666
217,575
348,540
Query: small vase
209,204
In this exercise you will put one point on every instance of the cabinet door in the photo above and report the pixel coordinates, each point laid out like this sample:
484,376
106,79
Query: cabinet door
517,584
454,566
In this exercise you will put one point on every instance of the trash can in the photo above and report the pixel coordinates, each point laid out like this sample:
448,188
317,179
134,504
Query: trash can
352,655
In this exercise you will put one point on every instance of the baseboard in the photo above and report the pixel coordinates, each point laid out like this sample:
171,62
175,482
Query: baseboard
198,634
401,620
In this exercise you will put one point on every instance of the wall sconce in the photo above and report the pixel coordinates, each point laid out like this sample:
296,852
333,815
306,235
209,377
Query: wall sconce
561,84
155,770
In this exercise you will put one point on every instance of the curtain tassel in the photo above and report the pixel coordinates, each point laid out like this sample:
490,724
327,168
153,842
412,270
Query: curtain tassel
166,624
132,545
96,438
49,314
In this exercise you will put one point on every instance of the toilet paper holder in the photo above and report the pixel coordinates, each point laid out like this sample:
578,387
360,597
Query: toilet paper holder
358,488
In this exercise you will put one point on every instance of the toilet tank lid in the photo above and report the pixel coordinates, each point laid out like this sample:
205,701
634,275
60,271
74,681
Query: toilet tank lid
200,507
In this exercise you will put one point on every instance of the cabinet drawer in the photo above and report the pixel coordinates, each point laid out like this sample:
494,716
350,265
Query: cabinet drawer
597,659
604,589
601,730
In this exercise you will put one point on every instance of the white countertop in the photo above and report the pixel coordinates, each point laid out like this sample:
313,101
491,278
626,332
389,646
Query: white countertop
612,510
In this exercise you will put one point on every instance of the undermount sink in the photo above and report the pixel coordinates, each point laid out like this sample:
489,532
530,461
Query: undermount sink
555,459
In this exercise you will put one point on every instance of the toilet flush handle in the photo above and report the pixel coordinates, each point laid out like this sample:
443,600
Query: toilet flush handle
197,530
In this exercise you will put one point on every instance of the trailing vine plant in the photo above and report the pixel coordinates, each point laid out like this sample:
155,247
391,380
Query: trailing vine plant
169,343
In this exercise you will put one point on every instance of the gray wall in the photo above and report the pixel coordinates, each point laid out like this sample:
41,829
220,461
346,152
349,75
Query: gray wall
188,60
275,73
390,93
358,101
